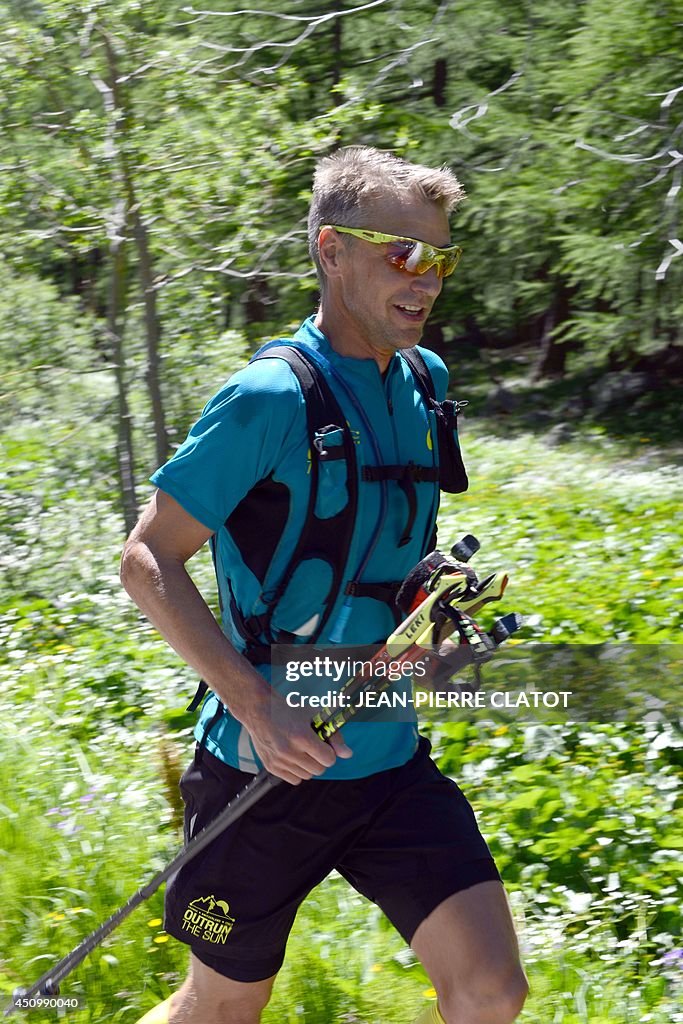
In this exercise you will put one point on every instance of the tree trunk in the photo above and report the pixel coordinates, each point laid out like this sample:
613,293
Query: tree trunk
152,331
552,356
439,78
257,300
337,62
116,300
121,126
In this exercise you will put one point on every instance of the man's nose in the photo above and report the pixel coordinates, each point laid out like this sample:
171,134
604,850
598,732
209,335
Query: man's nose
428,283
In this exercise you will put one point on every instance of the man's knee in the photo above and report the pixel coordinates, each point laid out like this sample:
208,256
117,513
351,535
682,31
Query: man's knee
188,1008
207,997
489,999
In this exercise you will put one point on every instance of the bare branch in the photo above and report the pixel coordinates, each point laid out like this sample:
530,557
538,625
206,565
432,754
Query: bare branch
400,59
268,44
195,268
635,131
662,173
626,158
459,120
172,168
663,267
319,19
312,24
669,96
226,269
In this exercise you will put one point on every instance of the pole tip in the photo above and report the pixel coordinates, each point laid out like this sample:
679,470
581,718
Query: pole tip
465,548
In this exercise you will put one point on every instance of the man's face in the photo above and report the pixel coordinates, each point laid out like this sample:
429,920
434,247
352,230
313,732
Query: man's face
387,307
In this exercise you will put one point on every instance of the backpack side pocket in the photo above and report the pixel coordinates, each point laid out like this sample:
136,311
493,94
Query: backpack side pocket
333,494
452,472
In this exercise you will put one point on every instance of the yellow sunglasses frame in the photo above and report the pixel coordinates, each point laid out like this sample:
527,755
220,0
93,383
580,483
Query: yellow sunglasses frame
426,251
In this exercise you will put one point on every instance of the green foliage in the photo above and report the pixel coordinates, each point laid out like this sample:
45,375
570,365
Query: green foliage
584,820
559,119
588,537
44,340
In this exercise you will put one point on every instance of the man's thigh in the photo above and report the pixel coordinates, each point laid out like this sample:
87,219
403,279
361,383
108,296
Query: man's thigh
235,902
423,845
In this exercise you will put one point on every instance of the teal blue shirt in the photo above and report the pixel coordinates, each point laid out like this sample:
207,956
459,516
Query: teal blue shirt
253,430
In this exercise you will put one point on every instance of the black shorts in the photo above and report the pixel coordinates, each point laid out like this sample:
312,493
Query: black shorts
405,838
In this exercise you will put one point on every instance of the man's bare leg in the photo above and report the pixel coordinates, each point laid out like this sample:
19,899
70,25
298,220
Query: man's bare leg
206,997
469,949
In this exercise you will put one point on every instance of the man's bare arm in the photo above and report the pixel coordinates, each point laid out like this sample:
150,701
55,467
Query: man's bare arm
154,574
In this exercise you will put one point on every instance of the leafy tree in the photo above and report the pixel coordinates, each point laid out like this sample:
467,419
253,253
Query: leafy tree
135,162
157,162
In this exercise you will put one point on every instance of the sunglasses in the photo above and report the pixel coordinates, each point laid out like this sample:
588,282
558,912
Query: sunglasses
408,254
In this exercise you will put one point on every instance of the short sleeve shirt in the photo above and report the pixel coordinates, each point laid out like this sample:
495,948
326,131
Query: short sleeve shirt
252,439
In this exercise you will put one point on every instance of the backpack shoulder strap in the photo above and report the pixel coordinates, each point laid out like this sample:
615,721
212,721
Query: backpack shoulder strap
329,538
322,407
420,370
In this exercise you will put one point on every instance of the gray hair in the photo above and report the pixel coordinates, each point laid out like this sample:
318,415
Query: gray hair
347,181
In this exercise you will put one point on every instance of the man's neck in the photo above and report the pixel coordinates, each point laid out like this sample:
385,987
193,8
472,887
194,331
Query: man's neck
347,340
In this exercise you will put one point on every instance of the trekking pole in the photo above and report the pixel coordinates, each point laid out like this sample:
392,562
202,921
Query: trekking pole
429,594
48,984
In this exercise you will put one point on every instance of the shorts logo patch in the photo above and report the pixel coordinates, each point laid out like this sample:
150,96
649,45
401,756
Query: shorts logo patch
209,919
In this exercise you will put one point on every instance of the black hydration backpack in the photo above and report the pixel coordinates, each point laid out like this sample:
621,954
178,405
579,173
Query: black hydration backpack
329,538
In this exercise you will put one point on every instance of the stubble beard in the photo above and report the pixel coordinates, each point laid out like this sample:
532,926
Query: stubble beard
382,335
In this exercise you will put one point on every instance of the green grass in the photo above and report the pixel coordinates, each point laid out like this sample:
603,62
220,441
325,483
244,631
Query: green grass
584,819
592,540
593,918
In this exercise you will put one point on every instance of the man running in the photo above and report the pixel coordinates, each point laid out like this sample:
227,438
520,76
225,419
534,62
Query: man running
371,805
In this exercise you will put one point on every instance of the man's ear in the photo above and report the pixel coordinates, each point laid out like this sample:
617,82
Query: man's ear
330,249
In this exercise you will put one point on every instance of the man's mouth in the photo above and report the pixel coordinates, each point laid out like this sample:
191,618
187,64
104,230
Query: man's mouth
414,313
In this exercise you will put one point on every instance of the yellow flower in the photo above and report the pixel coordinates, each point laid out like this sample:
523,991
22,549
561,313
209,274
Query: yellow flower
161,938
154,923
376,968
429,993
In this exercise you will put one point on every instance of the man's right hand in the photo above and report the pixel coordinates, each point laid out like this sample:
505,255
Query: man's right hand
287,745
154,574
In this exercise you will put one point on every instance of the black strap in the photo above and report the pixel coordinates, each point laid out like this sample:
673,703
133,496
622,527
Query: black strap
411,472
202,690
452,472
328,539
406,477
421,372
259,654
328,454
408,488
379,591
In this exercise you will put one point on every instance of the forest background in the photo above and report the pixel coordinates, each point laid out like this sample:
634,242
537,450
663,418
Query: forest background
155,169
